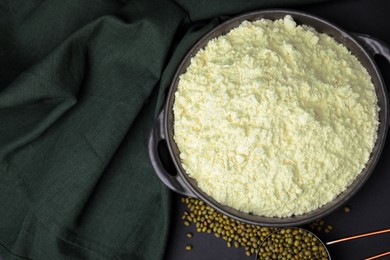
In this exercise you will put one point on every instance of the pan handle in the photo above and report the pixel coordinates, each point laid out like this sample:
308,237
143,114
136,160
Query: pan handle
173,182
375,47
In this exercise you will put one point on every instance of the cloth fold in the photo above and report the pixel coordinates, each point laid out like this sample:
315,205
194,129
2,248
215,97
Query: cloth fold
81,83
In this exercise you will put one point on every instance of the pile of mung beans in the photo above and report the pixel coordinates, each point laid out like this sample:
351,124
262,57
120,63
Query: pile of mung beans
250,237
234,232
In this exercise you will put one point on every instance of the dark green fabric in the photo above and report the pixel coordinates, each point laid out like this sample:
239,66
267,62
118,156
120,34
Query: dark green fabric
81,83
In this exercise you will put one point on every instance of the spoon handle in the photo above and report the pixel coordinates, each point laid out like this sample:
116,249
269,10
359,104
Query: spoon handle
377,256
358,236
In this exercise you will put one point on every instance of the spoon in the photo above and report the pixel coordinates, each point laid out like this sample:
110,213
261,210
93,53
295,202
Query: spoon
268,249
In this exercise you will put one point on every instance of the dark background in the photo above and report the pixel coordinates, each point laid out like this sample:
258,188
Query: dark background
370,207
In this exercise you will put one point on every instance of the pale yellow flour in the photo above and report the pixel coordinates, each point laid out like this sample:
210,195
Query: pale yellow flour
274,118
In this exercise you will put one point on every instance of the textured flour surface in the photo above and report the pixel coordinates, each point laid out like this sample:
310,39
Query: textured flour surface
274,118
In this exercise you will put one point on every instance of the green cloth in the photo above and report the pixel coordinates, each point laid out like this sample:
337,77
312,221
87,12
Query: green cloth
81,83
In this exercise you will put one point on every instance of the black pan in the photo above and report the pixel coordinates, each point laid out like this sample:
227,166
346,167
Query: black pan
362,46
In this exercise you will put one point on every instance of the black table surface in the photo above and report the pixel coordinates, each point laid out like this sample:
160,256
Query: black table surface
370,207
